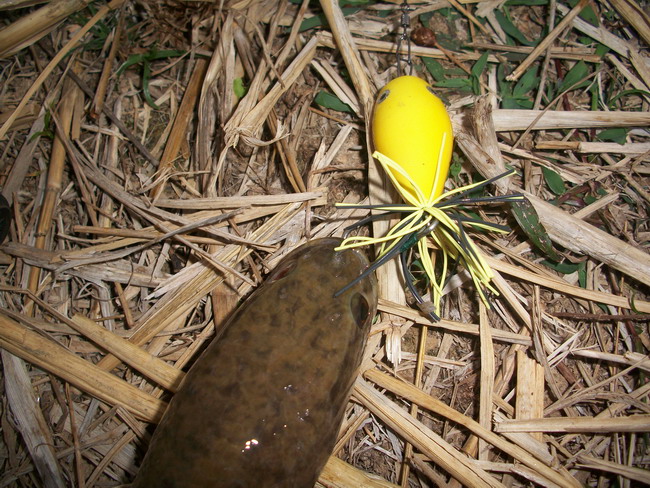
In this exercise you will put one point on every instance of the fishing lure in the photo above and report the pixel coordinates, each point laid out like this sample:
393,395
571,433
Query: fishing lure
410,126
413,138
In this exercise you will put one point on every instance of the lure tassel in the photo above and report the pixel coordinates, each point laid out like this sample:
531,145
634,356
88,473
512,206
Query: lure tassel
413,138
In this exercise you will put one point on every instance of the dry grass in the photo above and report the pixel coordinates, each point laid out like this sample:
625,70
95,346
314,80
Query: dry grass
138,229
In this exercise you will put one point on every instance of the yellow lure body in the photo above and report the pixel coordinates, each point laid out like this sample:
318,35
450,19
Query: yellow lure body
411,126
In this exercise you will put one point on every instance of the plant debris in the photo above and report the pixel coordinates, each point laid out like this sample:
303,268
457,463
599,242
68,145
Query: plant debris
159,159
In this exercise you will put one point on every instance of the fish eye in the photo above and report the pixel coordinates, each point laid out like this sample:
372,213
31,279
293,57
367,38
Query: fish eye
360,309
383,96
282,271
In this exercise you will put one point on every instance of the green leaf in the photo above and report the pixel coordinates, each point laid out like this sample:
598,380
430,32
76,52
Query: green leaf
600,192
155,54
476,85
554,181
454,83
449,42
516,96
614,134
601,50
586,13
449,72
625,93
526,216
582,274
146,76
454,169
476,71
313,22
239,88
480,64
327,100
510,28
434,68
594,91
99,32
152,55
564,267
449,13
48,134
47,131
586,41
627,199
573,76
527,82
130,61
589,199
47,120
425,17
509,102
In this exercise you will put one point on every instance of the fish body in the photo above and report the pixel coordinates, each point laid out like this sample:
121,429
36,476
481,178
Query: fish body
263,404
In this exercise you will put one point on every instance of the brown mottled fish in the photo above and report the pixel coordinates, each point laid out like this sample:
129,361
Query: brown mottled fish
262,406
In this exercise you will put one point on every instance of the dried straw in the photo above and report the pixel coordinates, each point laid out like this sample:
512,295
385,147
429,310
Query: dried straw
546,387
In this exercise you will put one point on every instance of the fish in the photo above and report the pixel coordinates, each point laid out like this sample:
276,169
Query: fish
263,404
